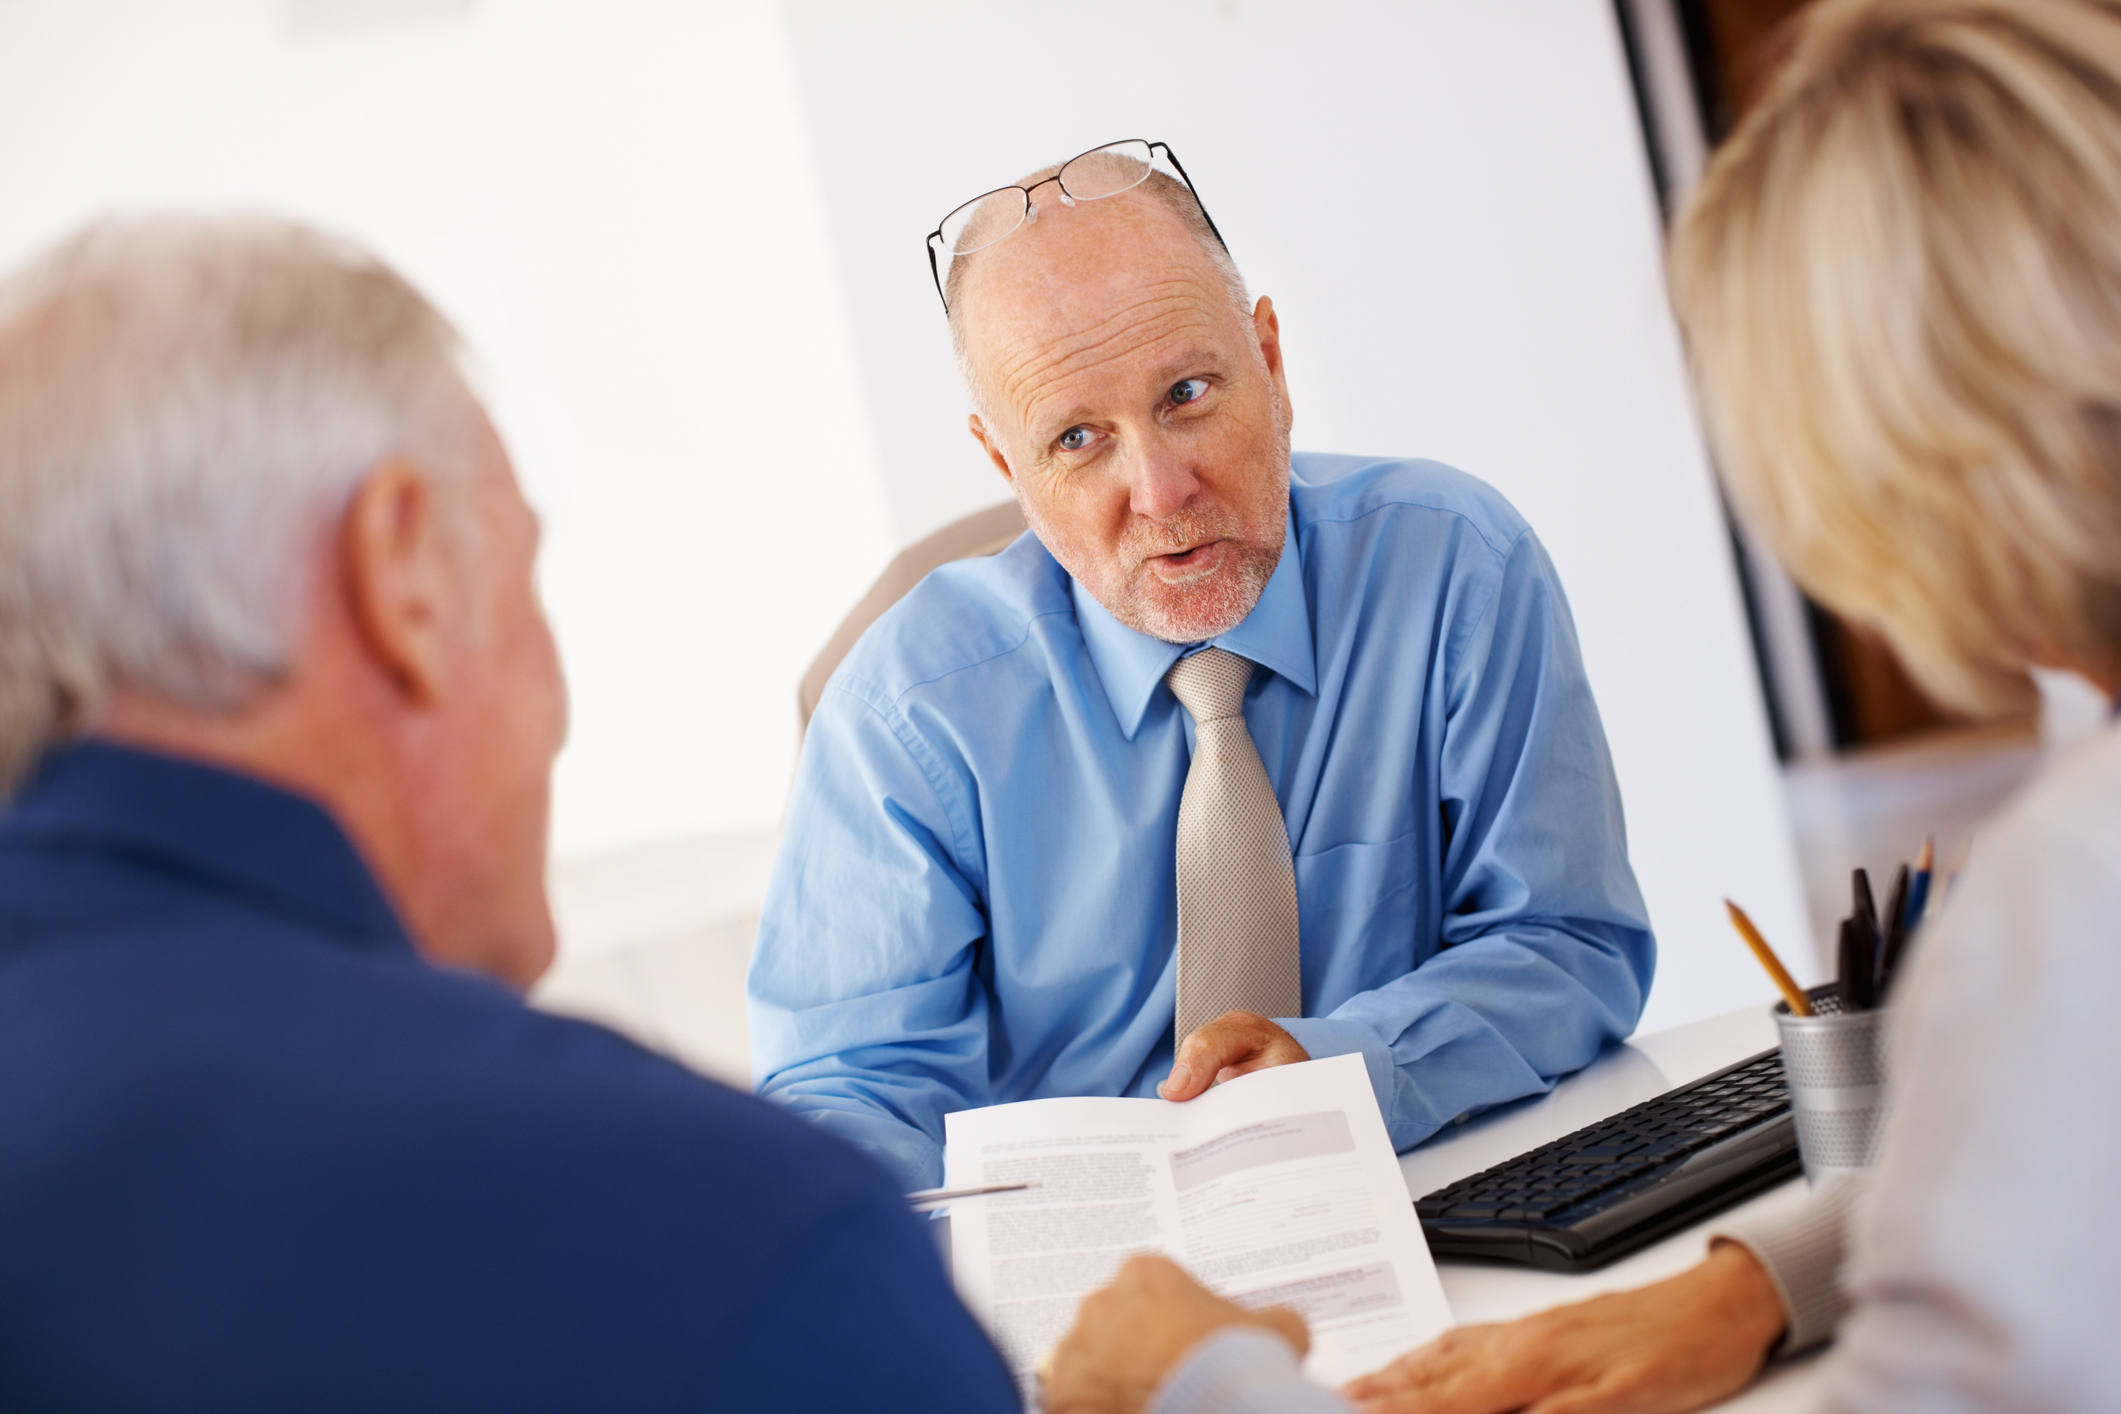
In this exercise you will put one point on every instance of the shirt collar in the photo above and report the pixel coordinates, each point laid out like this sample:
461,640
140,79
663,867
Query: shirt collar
236,832
1276,635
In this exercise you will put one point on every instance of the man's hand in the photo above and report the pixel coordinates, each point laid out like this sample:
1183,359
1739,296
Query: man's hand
1131,1335
1677,1345
1235,1043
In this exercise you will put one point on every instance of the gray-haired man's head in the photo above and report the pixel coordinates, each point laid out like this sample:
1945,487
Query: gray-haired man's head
183,403
251,513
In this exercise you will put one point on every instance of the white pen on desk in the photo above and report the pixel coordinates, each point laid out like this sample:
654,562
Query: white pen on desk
936,1197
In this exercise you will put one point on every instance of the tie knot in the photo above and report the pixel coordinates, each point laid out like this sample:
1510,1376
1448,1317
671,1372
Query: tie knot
1211,683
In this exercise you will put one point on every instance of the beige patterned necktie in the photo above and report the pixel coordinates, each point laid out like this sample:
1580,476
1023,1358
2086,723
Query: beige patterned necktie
1237,948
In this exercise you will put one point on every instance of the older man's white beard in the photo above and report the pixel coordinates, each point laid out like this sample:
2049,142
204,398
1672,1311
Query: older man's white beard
1196,612
1190,613
1182,613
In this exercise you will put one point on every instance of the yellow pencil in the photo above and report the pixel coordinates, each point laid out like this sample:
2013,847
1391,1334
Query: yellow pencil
1787,985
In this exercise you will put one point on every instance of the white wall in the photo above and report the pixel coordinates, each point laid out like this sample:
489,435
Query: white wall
613,200
1449,202
621,203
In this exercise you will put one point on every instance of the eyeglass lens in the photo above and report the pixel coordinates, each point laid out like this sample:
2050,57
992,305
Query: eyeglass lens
1101,172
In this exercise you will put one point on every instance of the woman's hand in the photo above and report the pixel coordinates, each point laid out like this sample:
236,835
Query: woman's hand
1662,1349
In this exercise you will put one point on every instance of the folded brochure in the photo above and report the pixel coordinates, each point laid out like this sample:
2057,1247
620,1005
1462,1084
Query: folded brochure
1278,1188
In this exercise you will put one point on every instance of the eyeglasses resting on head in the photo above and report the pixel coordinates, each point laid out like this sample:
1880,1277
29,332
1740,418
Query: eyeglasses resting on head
994,216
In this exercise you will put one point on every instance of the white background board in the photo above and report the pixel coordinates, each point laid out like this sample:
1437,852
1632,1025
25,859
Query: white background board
613,202
692,272
1450,203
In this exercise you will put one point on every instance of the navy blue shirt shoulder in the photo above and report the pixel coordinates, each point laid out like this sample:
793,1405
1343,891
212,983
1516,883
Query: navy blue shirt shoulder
258,1155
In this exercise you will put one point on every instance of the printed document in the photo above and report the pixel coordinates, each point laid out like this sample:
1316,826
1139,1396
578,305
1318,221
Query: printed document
1278,1188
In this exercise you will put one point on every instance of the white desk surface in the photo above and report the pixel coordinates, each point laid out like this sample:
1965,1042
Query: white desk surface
1626,1075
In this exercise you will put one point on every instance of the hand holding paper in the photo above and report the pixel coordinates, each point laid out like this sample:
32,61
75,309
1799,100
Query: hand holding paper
1235,1043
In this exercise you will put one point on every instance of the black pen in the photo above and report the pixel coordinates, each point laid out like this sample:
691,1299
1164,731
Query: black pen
1866,906
1895,934
1858,960
1853,974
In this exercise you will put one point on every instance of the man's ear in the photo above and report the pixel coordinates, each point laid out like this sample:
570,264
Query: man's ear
993,448
1266,325
400,588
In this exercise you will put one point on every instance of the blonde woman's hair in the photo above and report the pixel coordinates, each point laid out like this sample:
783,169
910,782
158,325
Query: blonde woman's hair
1900,282
186,404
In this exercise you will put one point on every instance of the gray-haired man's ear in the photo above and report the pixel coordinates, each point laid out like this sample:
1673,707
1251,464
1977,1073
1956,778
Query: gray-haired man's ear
401,587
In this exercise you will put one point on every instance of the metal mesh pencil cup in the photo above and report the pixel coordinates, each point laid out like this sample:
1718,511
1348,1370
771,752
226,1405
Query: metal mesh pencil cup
1835,1064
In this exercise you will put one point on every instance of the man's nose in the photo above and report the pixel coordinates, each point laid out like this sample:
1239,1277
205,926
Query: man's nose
1163,485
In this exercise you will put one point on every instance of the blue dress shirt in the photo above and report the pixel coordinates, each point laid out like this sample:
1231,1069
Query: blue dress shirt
255,1155
976,896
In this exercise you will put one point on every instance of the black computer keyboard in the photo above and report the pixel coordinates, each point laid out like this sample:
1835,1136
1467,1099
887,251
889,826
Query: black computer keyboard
1626,1181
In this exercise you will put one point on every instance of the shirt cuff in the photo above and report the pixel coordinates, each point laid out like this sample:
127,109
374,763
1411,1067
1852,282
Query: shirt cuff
1804,1252
1323,1036
1242,1370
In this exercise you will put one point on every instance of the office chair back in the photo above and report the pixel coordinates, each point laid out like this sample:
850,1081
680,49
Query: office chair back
987,532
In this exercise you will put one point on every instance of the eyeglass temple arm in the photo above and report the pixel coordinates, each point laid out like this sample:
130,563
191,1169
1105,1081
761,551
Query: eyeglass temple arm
1179,167
935,270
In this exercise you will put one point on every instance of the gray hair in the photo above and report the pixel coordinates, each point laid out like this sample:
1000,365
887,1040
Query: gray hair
1159,188
186,405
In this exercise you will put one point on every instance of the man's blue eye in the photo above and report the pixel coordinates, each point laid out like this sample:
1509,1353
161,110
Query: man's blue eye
1192,390
1075,439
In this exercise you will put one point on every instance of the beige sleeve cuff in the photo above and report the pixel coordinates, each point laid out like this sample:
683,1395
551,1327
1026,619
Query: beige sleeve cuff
1804,1252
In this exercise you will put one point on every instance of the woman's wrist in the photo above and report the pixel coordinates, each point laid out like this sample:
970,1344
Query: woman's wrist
1742,1294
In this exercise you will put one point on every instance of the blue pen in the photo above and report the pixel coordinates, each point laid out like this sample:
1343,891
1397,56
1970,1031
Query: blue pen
1918,894
1910,919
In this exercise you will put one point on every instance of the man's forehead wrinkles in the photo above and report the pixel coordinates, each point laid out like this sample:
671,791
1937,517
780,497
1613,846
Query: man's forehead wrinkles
1166,318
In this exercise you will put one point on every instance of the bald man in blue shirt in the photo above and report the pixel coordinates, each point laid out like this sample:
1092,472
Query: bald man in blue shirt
979,894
